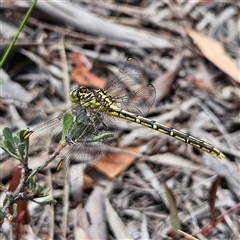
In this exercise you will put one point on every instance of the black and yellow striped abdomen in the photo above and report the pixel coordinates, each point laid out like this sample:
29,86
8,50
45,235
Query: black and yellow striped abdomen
184,137
122,91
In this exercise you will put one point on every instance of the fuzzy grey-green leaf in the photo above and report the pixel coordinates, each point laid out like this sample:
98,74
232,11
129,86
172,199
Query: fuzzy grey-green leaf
7,133
22,150
67,124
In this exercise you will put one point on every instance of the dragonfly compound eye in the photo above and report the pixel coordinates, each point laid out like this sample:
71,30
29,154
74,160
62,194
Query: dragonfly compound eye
74,95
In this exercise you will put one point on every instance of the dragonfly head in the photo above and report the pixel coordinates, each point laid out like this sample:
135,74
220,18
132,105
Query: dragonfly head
78,93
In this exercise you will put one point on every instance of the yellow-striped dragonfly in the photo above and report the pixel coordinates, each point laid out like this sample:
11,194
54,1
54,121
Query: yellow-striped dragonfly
122,98
92,128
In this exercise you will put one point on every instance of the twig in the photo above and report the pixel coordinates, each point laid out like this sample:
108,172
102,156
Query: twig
219,219
65,210
15,195
25,177
50,159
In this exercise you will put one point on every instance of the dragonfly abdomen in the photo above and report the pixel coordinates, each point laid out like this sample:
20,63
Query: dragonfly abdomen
162,128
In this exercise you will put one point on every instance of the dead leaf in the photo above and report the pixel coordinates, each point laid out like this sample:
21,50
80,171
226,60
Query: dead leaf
21,204
214,52
199,82
113,164
212,198
83,77
88,182
176,225
163,83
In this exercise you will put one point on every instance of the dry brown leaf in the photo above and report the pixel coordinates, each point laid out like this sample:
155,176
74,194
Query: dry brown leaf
88,182
114,163
212,198
214,52
163,84
83,77
199,82
176,225
23,216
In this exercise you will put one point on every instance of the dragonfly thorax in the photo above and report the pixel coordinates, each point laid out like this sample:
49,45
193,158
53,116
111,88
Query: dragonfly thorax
94,100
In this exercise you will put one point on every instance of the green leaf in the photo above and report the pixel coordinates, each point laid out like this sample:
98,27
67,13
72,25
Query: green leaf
8,135
15,210
38,191
67,124
2,214
46,202
9,148
6,149
21,150
8,140
16,140
80,124
21,133
15,145
5,201
102,137
46,191
3,147
31,183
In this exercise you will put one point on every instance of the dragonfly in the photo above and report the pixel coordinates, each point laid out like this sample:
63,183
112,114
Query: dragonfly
117,100
92,129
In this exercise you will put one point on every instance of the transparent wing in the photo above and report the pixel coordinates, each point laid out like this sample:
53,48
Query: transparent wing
48,132
87,151
126,88
128,77
88,138
139,101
